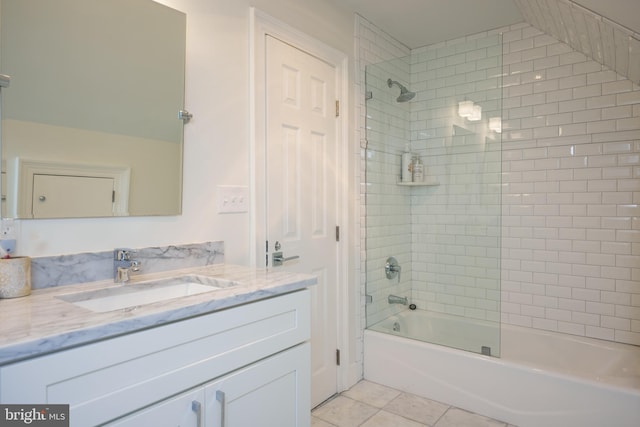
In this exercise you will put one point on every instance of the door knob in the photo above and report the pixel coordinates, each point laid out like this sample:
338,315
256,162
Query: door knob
279,259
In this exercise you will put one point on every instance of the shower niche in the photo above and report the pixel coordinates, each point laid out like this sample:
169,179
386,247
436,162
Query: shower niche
444,230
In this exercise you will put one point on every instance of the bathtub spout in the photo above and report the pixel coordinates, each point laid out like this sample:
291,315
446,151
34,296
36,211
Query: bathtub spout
394,299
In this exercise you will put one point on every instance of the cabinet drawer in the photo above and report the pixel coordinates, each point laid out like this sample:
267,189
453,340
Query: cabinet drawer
108,379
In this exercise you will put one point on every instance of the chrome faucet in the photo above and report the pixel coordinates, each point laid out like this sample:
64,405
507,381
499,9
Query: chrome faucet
394,299
123,265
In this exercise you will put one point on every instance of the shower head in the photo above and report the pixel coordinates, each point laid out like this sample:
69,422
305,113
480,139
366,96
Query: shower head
405,95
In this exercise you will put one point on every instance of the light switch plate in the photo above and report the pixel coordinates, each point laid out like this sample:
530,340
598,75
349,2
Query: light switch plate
232,198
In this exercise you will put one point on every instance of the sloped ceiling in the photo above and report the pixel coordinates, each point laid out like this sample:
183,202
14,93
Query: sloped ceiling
589,32
605,30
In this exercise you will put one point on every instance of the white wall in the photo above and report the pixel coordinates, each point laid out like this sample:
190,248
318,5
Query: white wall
216,141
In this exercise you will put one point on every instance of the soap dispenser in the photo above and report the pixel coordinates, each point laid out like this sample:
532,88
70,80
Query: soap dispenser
406,174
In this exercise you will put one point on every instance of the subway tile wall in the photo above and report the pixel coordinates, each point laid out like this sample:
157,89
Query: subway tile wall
571,188
570,172
456,225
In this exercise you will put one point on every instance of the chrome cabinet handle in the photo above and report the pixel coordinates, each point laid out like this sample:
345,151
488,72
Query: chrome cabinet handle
197,408
279,259
220,397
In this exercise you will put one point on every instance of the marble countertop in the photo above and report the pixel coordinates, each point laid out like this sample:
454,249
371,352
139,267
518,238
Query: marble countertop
41,322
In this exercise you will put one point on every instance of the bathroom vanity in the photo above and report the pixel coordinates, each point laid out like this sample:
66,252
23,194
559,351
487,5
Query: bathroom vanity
236,356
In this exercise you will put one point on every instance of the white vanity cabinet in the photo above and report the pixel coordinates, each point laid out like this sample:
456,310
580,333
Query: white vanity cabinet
271,392
247,366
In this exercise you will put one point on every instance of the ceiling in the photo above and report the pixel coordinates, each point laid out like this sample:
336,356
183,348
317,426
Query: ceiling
419,23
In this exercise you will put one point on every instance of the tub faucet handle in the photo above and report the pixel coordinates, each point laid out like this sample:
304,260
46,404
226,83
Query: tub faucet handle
392,268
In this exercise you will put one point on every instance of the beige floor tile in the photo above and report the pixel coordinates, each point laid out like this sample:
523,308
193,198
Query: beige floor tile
455,417
344,412
317,422
417,408
387,419
372,394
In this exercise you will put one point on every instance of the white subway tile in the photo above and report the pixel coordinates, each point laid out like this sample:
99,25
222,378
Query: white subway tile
547,131
600,333
602,77
602,101
535,53
616,87
519,90
628,124
628,312
545,109
574,129
572,58
627,98
521,44
546,62
559,72
628,184
627,337
545,85
572,81
586,116
578,308
572,105
558,49
617,136
545,324
617,112
571,328
617,147
586,91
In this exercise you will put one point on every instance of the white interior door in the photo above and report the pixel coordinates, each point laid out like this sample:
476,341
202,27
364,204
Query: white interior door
301,190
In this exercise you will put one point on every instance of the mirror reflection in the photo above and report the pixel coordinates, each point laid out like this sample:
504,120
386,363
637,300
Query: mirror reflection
90,124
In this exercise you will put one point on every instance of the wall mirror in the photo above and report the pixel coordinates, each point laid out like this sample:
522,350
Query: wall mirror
90,120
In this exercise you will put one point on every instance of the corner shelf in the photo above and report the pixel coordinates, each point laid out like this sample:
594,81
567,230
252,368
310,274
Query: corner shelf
427,183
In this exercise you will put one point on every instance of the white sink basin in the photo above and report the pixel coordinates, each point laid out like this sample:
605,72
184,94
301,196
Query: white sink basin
130,296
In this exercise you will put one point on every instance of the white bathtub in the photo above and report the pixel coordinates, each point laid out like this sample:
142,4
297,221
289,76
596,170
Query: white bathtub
541,379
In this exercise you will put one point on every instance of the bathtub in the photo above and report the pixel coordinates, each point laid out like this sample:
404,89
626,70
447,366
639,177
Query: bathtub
540,379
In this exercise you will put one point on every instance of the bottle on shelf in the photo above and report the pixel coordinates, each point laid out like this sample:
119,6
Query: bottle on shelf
406,174
418,170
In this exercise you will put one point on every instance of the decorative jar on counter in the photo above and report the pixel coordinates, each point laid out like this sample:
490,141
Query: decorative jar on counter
15,277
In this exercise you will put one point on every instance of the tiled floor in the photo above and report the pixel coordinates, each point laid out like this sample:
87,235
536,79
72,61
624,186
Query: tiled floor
369,404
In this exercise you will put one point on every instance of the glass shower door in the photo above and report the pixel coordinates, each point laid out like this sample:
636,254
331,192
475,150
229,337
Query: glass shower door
444,231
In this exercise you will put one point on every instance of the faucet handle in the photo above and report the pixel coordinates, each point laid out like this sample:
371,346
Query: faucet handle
123,254
392,268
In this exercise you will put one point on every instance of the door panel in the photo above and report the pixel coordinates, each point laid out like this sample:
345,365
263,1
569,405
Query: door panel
301,189
59,196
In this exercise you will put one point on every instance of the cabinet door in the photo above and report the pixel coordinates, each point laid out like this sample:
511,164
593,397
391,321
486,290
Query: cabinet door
56,196
184,410
274,392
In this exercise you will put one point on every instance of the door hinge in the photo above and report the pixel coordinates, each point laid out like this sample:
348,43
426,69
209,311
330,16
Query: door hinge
337,108
337,233
113,196
338,356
